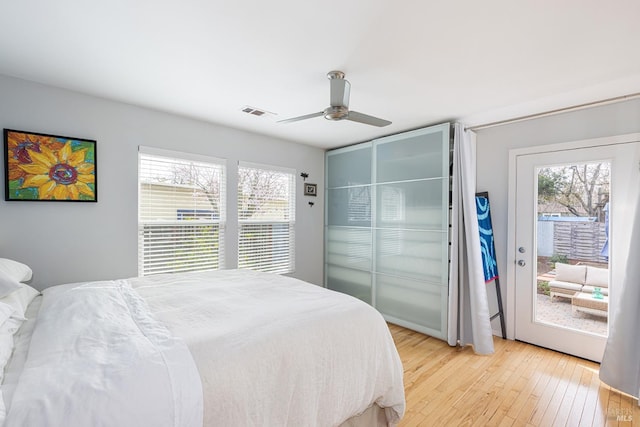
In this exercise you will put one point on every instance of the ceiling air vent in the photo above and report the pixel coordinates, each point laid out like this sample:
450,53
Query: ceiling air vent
256,111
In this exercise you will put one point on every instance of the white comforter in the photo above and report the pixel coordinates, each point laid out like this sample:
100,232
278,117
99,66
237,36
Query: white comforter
276,351
268,350
98,358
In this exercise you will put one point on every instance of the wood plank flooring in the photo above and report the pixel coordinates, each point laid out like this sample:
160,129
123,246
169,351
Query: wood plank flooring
519,385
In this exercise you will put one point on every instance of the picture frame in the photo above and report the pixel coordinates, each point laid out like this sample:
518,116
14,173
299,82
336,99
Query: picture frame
44,167
310,190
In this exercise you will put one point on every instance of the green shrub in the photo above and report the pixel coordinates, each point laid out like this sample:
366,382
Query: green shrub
543,287
558,258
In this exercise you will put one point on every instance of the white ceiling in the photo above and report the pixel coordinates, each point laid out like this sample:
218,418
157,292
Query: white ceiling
415,63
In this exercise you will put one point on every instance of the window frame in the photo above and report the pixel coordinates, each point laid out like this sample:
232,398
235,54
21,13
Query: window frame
188,218
260,263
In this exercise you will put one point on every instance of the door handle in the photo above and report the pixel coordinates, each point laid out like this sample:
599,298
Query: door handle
521,263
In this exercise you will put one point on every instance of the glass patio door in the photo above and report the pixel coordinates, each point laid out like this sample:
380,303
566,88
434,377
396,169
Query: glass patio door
570,244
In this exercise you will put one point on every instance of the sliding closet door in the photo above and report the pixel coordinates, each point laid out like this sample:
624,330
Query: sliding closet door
348,236
410,233
387,226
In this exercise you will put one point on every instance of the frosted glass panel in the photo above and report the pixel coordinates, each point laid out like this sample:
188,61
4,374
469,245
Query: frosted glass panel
410,300
416,204
353,282
349,207
349,168
414,254
349,247
386,225
411,158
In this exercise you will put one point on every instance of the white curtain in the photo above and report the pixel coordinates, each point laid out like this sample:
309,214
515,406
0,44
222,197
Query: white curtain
469,321
620,367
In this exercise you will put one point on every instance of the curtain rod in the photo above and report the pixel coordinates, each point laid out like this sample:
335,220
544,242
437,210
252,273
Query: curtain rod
556,111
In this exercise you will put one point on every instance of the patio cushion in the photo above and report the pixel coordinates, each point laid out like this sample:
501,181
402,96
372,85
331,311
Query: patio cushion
597,277
564,286
589,289
570,273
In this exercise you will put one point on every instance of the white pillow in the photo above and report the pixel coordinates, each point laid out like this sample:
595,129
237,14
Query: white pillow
20,299
5,312
6,348
598,277
16,270
7,284
12,273
10,320
12,325
571,273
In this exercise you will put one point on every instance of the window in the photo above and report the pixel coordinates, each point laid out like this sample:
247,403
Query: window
181,213
266,218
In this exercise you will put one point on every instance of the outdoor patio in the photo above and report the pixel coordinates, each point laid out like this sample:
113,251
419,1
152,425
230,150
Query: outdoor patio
558,311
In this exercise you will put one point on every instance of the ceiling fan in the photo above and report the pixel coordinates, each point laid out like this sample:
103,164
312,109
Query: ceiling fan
339,108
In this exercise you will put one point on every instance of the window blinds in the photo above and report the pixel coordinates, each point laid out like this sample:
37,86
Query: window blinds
181,215
266,218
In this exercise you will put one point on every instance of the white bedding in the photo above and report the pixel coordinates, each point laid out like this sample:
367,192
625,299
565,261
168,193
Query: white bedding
21,340
98,358
276,351
269,350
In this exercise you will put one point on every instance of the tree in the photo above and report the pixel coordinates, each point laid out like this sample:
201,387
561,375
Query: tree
581,189
258,193
205,179
548,181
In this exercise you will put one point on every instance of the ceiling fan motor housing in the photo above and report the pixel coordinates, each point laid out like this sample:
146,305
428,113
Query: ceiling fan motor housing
337,112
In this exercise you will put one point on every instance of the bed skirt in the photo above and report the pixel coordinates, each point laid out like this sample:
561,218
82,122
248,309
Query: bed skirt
373,416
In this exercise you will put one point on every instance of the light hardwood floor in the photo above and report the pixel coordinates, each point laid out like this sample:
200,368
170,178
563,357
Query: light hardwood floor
520,385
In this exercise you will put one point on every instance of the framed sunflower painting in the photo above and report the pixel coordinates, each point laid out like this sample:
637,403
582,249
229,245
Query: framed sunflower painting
41,167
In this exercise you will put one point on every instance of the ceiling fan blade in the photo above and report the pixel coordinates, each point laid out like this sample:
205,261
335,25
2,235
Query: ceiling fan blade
296,119
340,89
354,116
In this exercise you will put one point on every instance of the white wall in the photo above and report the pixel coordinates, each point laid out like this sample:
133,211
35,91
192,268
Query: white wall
493,145
69,242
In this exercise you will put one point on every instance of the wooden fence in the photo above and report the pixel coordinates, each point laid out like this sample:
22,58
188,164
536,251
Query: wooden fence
579,240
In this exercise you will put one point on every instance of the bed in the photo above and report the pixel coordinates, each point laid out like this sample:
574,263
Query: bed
217,348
